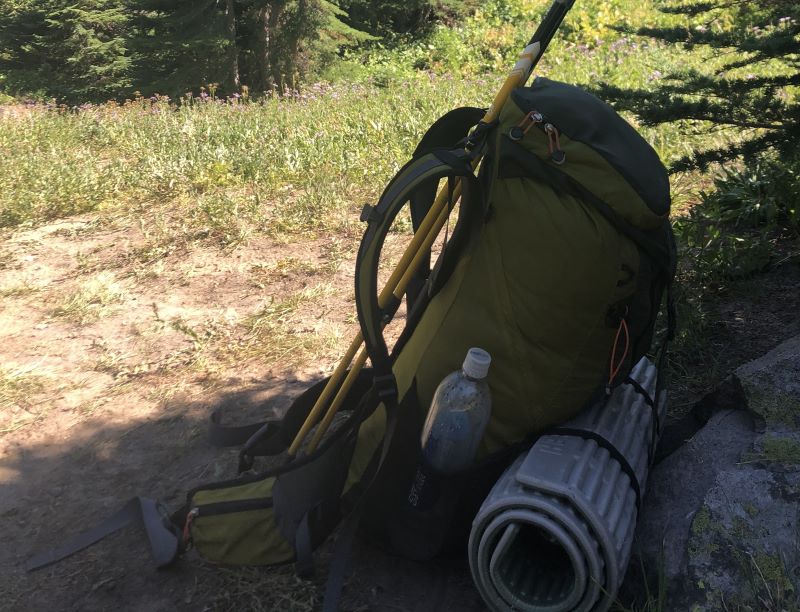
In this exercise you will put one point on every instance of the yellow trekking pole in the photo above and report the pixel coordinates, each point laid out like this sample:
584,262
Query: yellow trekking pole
342,379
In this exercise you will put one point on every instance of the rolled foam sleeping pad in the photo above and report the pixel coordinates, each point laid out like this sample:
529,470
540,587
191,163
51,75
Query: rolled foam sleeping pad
555,533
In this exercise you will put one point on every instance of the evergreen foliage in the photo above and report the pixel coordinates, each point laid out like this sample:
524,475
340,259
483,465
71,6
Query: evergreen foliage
404,17
754,90
179,45
70,50
89,50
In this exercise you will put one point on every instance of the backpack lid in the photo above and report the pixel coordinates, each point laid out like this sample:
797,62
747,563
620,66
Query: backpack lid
587,119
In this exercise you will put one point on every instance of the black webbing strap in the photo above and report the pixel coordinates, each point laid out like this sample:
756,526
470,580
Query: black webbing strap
340,562
225,436
661,368
343,550
445,133
655,430
165,537
612,450
304,548
641,391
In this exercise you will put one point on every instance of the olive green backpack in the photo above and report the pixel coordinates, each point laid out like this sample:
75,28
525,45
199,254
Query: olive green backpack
557,265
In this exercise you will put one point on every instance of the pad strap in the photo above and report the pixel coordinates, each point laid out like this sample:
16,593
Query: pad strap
612,450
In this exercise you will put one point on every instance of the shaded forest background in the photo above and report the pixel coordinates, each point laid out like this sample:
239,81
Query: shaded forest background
89,50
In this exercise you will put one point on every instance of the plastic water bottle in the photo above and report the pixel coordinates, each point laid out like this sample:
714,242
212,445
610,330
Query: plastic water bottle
453,430
458,416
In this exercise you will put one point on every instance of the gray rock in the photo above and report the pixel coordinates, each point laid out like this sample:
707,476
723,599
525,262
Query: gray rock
777,372
743,546
721,520
678,486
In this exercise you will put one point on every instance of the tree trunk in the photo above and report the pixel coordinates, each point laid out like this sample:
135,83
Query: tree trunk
303,16
232,81
274,48
263,68
271,49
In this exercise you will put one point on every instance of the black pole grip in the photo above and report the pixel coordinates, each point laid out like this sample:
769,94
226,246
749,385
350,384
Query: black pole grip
549,26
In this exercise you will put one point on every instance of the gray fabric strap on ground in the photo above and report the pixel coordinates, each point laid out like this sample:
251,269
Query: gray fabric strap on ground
163,536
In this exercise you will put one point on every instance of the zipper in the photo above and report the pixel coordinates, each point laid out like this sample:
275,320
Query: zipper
228,507
218,508
535,118
517,132
554,144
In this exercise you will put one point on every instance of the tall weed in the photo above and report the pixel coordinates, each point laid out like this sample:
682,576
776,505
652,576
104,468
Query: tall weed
281,164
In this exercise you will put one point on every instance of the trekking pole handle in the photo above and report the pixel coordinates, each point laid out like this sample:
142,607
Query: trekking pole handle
530,56
548,28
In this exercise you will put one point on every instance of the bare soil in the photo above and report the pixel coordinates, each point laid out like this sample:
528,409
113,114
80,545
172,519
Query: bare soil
105,394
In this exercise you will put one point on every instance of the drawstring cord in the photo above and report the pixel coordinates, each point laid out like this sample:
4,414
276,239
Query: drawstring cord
525,124
554,144
187,533
614,370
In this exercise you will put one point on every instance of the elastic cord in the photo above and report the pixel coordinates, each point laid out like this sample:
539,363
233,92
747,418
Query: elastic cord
614,370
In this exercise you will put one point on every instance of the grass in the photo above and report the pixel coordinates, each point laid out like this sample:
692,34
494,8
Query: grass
282,331
92,299
305,164
17,387
20,289
283,167
258,589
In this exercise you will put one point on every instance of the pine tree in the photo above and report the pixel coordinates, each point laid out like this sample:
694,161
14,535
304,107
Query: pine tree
289,37
72,50
182,45
267,45
762,104
390,18
87,50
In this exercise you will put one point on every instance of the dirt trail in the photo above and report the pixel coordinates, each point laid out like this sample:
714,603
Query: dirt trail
109,366
115,348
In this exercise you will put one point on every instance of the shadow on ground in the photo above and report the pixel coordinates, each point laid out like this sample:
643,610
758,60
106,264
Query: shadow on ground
55,490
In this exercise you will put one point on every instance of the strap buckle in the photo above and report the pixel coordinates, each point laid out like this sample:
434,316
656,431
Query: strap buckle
385,387
246,461
370,214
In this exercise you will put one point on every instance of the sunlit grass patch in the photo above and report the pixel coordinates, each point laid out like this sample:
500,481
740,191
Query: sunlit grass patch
92,299
285,267
22,288
282,332
17,385
18,388
282,165
304,164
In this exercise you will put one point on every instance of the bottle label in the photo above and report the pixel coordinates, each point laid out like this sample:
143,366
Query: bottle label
417,487
424,488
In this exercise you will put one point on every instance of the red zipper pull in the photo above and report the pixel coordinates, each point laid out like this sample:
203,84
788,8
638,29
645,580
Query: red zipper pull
517,132
187,535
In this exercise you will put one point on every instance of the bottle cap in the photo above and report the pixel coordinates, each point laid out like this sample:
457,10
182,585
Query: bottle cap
476,363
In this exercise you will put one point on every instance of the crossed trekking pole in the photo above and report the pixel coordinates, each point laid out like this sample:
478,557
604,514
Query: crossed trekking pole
342,379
